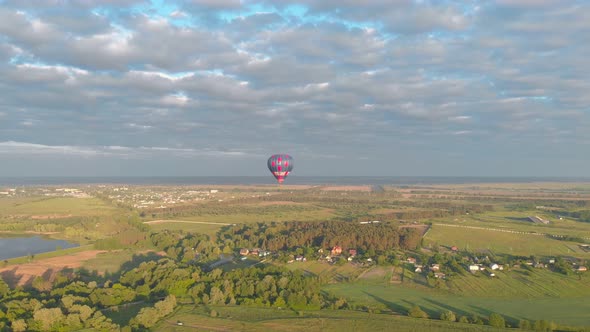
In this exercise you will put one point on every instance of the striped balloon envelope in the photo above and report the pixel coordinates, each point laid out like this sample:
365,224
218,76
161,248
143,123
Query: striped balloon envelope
280,165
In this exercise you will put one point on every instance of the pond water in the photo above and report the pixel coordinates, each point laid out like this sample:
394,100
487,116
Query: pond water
11,247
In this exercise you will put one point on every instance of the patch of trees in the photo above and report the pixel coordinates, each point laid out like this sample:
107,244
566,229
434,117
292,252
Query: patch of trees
71,303
327,234
582,215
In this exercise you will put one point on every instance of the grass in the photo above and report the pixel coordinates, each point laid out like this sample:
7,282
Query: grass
240,218
541,298
333,273
56,206
208,229
114,261
516,220
270,319
50,254
502,242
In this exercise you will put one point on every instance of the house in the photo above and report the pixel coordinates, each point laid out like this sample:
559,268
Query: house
300,259
551,260
244,251
255,252
411,260
540,265
435,267
418,269
352,252
492,274
473,268
440,275
582,269
337,250
454,249
494,266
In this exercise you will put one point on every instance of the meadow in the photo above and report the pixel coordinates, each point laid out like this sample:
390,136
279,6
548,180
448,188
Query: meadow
490,219
400,298
500,240
45,208
267,319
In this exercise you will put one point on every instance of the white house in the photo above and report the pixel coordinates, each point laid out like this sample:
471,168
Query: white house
494,266
473,268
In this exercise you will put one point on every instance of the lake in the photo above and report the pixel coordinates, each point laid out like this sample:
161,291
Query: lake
11,247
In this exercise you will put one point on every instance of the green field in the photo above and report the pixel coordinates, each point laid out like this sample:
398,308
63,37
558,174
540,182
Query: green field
516,220
114,261
173,225
266,319
54,207
241,218
498,241
542,295
327,271
50,254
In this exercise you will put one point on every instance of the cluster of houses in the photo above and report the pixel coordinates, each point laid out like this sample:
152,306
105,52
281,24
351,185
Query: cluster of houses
337,251
490,268
254,252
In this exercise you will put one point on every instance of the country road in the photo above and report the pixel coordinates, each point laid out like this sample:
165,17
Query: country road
505,230
186,222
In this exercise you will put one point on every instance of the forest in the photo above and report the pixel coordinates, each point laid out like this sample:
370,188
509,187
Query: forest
284,236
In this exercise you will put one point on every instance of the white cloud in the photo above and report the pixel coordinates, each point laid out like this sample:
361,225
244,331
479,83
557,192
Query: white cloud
24,148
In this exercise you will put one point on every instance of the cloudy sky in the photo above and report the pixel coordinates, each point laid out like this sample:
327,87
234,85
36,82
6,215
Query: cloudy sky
348,87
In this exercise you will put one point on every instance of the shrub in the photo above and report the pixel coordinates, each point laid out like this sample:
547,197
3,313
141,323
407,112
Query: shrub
417,312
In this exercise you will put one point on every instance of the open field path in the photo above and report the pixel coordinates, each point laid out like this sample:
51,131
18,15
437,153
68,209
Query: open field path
185,222
505,230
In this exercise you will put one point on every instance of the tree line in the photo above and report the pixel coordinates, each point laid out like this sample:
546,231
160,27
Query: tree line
285,236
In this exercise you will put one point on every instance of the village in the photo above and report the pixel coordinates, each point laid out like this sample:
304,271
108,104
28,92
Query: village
438,266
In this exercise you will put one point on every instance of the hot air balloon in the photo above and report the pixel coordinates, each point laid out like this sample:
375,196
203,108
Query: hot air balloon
280,165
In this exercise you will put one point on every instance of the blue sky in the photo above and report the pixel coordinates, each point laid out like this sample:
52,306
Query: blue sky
214,87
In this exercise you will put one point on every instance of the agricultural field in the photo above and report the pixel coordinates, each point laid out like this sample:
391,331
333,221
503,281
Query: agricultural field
500,240
121,228
266,319
568,310
48,208
202,227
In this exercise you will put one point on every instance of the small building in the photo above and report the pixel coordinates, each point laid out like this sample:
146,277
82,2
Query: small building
411,260
418,269
494,266
440,275
473,268
244,251
582,269
255,252
435,267
352,252
337,250
551,260
300,259
454,249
